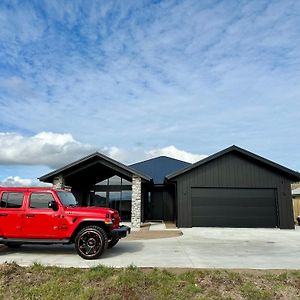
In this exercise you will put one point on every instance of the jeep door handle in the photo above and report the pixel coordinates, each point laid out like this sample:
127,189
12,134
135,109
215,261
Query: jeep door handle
3,215
30,215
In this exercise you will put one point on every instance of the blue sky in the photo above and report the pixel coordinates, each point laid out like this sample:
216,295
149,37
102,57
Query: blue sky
134,79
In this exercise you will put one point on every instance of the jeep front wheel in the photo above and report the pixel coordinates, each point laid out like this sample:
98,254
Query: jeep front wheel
90,242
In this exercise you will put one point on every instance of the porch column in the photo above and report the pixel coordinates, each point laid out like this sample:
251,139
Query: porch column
136,201
58,182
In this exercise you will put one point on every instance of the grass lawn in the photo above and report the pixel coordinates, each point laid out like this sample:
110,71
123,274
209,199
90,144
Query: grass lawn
39,282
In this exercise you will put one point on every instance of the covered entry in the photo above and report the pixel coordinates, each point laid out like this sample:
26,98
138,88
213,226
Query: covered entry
83,175
234,207
161,203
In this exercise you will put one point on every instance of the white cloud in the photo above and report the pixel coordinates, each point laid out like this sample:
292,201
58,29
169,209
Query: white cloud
173,152
45,148
128,156
17,181
55,150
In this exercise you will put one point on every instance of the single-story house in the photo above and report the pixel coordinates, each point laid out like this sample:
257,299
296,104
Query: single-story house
296,202
231,188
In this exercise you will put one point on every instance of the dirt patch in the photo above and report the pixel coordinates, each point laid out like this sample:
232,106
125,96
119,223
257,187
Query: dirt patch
157,234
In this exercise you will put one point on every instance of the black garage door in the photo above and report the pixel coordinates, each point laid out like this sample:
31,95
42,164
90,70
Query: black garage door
234,207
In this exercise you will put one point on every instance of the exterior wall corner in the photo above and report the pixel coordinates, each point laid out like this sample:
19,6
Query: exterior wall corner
136,205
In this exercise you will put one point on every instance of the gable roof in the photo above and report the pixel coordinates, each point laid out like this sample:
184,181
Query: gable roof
288,172
93,159
159,167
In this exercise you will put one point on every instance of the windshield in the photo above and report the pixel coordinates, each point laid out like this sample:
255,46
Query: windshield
67,199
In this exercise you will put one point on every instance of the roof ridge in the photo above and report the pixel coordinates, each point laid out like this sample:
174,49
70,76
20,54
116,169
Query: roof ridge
242,151
94,154
157,157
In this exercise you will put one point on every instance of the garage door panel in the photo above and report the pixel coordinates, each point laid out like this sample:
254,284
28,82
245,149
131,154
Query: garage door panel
234,207
228,201
232,192
232,222
233,211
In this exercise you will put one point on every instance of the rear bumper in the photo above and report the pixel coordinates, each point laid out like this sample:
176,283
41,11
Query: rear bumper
121,232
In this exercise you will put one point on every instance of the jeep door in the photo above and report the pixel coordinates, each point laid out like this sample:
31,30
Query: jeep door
11,211
39,220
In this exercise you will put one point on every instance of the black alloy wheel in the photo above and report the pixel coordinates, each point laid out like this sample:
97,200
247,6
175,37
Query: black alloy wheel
91,242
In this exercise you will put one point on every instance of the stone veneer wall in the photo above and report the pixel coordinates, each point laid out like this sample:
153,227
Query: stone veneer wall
59,182
136,203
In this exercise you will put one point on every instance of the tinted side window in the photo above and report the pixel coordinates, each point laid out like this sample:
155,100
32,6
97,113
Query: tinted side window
4,200
40,200
12,200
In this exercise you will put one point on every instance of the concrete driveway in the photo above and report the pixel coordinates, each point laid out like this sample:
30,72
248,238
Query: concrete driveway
196,248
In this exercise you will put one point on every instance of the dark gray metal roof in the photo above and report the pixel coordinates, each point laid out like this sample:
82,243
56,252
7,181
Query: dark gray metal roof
157,168
288,172
95,157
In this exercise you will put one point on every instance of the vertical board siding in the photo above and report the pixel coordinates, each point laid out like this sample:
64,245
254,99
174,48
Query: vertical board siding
233,170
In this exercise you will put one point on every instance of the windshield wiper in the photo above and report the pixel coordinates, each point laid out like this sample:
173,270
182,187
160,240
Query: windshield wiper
72,205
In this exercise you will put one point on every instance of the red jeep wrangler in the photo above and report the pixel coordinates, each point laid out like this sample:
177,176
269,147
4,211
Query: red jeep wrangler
49,216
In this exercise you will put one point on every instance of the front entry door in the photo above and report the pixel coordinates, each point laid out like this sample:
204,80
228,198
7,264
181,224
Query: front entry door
157,205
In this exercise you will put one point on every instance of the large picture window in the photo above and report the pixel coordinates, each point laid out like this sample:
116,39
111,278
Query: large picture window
114,192
100,199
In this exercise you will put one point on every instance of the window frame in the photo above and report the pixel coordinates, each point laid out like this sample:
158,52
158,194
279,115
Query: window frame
12,192
43,208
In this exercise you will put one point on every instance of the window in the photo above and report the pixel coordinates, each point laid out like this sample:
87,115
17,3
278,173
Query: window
126,182
114,192
114,200
100,199
67,199
12,200
114,180
40,200
126,195
104,182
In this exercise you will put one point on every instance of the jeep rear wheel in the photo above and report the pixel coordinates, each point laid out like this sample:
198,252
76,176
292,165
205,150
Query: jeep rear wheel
90,242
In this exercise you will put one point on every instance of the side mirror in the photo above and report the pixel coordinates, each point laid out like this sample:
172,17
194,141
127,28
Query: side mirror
53,205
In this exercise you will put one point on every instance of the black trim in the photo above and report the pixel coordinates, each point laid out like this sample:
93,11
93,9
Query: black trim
291,174
121,232
111,188
109,162
34,241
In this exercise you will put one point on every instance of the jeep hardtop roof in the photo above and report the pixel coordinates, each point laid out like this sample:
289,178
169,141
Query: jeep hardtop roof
14,188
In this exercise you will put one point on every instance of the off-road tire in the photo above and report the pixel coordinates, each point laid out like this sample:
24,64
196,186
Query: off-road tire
91,241
113,242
